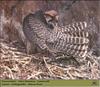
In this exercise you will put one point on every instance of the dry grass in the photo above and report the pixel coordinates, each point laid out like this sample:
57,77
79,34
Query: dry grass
16,64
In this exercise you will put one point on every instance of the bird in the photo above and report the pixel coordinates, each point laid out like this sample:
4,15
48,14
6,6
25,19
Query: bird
41,29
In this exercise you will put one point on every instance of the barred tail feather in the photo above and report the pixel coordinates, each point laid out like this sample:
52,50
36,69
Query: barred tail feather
76,29
76,40
77,50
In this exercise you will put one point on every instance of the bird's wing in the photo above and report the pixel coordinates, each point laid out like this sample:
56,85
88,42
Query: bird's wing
38,27
35,30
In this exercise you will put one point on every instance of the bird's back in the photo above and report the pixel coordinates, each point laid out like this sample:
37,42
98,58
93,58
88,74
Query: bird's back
72,39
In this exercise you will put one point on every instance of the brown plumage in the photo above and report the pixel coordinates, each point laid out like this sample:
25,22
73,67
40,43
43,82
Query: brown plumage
69,40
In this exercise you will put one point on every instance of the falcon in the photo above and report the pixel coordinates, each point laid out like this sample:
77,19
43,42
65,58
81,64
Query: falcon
69,40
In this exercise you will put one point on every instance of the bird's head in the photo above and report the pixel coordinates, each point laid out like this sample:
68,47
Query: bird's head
51,17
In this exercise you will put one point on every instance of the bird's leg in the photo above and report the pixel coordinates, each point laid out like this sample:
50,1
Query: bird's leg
30,47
